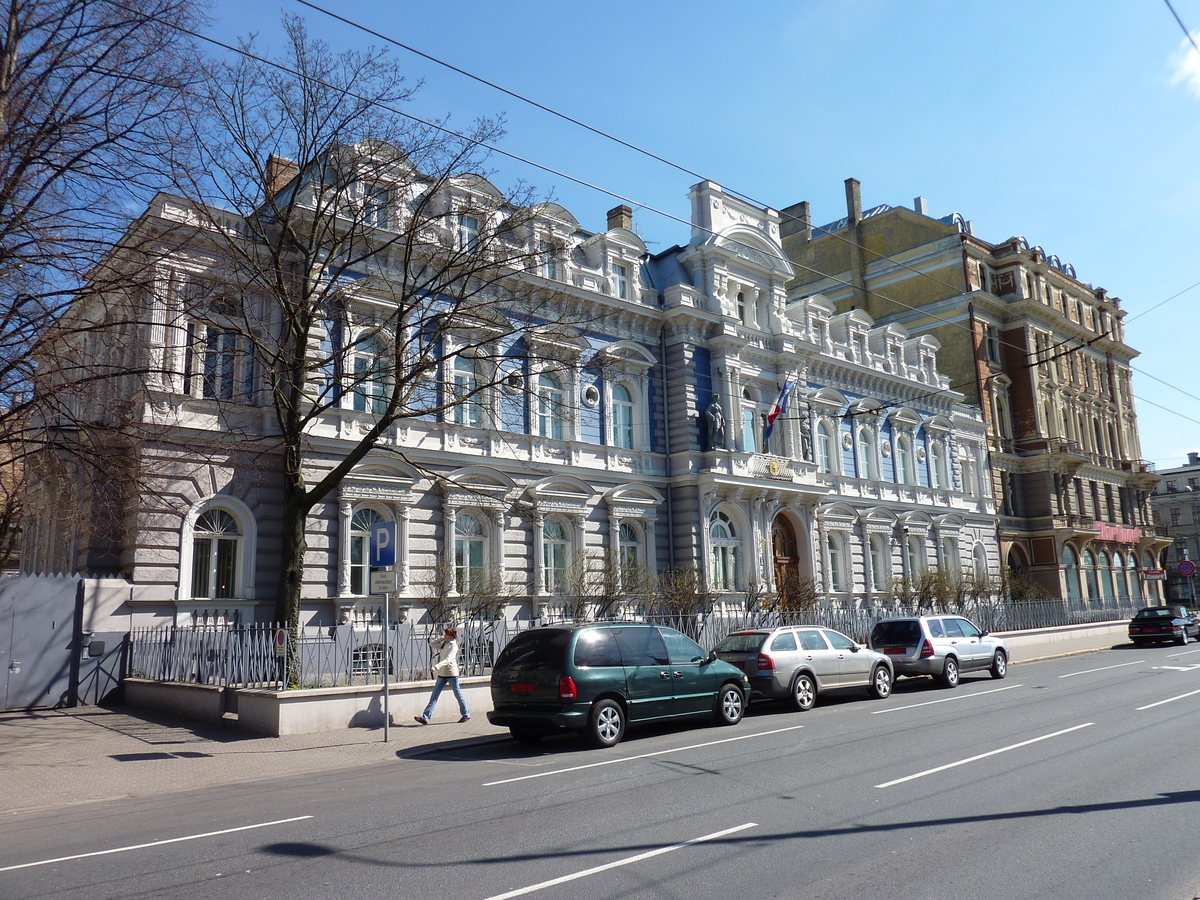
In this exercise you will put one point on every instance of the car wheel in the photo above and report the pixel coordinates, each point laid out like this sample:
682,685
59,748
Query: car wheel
881,683
1183,638
731,705
804,692
606,724
999,665
950,672
525,736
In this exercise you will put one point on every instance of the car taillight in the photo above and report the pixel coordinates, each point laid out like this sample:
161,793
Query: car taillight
765,663
566,688
926,649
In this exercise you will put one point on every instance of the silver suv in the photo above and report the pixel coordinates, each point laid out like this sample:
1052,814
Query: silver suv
941,646
798,663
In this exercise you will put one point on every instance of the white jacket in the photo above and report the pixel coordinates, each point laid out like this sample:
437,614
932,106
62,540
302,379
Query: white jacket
447,663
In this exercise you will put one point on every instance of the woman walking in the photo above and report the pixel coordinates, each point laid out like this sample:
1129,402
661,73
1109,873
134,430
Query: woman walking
445,670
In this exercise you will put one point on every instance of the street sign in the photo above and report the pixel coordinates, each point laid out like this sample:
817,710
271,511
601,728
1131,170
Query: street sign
281,642
1187,567
1156,574
383,545
383,582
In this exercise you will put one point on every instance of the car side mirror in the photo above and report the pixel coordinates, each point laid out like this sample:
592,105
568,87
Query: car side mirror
855,648
983,634
712,655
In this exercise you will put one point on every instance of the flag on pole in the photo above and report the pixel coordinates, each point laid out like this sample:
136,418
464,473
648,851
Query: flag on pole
780,407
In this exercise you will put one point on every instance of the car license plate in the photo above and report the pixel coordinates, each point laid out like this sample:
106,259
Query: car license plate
894,651
518,688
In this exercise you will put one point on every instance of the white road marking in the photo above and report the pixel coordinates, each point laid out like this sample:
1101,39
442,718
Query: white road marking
1179,668
946,699
1184,653
1102,669
609,762
621,862
190,837
963,762
1148,706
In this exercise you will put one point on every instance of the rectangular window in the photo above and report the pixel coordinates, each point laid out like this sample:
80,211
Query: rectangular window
468,232
375,206
992,340
621,277
549,259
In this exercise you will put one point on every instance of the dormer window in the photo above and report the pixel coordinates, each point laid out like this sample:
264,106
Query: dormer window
621,280
375,206
468,232
548,256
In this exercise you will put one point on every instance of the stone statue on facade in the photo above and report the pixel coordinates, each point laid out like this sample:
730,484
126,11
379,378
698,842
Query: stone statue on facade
715,424
806,449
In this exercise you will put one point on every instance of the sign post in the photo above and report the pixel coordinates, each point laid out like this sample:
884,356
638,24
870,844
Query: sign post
383,555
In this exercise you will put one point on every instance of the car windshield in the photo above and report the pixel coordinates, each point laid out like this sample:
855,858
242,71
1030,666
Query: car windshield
1158,612
540,649
742,642
907,632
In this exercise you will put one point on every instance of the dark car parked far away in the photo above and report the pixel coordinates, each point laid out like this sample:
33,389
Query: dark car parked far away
1164,623
597,678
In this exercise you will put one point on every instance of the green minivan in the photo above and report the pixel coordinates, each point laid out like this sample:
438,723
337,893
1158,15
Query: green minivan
597,678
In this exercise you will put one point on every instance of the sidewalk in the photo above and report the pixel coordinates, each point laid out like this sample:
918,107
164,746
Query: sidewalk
53,758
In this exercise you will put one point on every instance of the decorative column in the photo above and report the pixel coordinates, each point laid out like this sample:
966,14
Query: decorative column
451,522
402,548
538,521
345,512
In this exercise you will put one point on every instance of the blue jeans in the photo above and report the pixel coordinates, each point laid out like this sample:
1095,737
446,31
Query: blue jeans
437,692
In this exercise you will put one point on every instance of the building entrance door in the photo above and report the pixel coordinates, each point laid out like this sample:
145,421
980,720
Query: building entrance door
787,561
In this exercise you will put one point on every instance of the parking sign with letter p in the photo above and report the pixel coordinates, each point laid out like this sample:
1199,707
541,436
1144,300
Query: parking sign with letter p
383,544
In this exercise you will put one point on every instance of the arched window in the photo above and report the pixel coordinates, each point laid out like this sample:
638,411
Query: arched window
361,524
824,447
914,548
1119,577
1089,570
370,387
904,472
1106,577
1070,564
629,554
551,407
749,423
979,561
467,409
216,547
866,453
726,549
937,465
622,417
556,551
881,570
742,312
837,562
470,552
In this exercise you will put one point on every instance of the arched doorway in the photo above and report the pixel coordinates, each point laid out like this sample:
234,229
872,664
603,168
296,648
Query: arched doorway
786,558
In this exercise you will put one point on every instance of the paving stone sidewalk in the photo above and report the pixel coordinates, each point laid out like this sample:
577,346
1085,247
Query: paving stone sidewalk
52,758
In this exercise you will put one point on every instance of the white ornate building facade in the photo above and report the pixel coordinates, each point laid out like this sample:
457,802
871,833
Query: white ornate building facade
636,442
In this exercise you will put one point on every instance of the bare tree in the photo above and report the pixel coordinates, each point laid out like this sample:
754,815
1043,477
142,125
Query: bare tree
358,262
91,97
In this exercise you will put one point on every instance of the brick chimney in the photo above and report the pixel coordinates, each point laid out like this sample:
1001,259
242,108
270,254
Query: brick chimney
853,201
797,219
620,217
278,172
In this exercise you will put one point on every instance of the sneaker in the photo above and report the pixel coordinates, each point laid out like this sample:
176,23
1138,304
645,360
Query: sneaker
464,719
421,720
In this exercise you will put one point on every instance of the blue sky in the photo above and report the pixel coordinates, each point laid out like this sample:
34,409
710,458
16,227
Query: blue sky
1075,124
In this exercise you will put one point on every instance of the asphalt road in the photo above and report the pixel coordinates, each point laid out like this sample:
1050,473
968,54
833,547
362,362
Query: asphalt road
1072,778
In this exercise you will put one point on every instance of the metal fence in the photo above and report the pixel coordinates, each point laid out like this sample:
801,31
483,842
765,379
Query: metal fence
348,655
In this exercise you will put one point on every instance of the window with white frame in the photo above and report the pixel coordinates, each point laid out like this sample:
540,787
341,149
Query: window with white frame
361,523
551,407
742,312
950,561
836,548
622,417
216,547
548,260
979,560
470,552
937,465
621,280
468,410
726,550
376,206
881,568
370,371
904,466
749,423
467,237
629,554
825,447
219,364
556,553
914,548
866,453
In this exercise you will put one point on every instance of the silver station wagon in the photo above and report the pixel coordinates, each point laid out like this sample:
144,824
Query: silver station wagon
941,646
799,663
